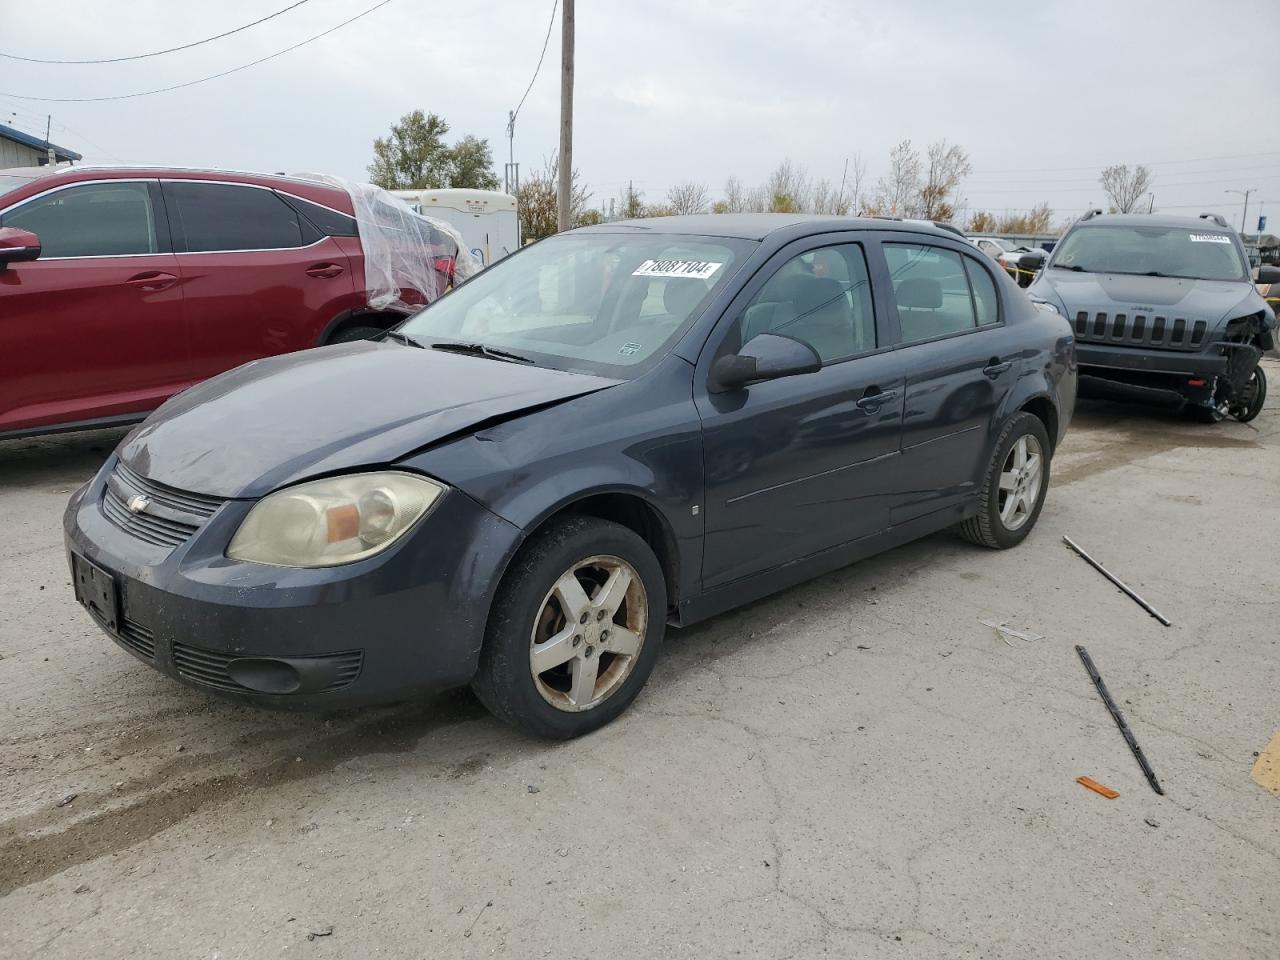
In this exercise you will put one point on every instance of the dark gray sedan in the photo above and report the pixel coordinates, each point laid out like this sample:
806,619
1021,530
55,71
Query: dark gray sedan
616,429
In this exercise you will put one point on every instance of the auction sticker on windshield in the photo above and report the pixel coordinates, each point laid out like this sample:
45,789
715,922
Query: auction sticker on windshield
1210,238
695,269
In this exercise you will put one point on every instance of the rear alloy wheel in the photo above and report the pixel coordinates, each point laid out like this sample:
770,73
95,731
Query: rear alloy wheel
1014,488
1252,397
575,629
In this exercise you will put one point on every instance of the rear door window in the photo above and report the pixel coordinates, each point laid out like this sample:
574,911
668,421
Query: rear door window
226,216
985,300
931,291
113,219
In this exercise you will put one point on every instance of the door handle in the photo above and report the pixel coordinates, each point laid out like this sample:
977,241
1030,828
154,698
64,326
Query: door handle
874,398
152,280
995,366
324,271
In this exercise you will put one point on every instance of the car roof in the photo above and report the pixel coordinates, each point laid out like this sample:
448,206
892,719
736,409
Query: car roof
757,226
301,186
1152,220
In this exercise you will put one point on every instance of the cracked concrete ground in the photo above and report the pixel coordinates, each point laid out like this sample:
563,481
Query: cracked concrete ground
854,768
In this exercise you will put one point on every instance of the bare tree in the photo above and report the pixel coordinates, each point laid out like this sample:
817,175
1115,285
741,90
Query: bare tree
735,198
630,203
850,193
1039,219
824,197
945,167
981,222
1124,187
787,189
537,200
688,197
897,194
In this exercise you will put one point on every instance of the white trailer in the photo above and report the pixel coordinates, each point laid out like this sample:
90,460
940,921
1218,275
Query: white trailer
487,219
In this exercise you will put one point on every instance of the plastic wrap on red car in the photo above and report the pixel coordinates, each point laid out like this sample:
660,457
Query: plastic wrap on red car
409,259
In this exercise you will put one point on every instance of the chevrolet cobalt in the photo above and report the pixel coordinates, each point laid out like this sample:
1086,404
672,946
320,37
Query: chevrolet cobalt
616,429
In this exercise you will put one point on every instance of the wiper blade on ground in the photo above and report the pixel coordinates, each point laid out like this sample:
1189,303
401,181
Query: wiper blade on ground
480,350
399,337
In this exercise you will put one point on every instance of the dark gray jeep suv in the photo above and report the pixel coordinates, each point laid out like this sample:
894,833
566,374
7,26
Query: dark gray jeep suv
1165,303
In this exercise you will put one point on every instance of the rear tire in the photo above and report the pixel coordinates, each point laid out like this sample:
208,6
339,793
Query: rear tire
1014,487
576,627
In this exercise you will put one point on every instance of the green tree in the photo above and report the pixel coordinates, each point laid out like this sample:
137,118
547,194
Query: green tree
414,156
472,165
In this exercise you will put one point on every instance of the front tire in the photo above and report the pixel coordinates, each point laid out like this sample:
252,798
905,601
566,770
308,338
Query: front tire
1254,396
1014,487
576,627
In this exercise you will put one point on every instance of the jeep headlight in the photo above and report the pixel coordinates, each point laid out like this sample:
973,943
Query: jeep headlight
328,522
1048,304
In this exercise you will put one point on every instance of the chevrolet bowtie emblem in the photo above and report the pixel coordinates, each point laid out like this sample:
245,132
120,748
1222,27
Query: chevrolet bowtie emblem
137,504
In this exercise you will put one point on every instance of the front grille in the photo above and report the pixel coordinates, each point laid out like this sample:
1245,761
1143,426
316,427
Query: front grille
1140,330
209,667
138,639
170,517
158,530
196,504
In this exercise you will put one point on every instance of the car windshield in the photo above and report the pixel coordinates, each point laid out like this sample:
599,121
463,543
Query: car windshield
1188,252
602,303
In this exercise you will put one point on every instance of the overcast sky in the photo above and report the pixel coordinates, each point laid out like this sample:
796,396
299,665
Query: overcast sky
1041,94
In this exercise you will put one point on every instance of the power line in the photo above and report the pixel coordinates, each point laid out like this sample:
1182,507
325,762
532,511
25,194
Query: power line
157,53
1243,171
192,83
516,112
1149,163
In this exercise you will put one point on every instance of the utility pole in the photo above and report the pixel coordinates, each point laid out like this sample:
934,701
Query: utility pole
1244,217
48,148
1151,202
564,213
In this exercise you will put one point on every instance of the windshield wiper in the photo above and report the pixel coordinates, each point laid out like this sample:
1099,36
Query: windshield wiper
399,337
480,350
1069,266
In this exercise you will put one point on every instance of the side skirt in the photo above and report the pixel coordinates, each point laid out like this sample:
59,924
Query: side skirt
790,574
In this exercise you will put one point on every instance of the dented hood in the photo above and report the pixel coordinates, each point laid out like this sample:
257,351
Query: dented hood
1210,300
283,419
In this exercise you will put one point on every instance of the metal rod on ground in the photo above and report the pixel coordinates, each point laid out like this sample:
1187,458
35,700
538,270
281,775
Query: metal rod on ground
1116,580
1119,719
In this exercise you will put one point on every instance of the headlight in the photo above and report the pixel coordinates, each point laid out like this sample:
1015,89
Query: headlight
327,522
1046,303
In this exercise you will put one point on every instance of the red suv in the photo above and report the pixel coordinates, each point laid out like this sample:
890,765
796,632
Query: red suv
120,287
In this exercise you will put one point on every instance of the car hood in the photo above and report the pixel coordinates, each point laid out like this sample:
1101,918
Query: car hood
277,421
1211,300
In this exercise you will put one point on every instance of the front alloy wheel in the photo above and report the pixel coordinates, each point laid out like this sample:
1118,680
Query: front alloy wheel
575,628
589,632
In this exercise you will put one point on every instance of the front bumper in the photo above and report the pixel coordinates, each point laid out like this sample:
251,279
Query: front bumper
1100,359
407,621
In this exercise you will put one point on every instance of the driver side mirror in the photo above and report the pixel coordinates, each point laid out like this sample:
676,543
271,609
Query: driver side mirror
17,245
1269,274
766,356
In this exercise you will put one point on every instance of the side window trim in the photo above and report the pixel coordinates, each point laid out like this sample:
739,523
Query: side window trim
164,245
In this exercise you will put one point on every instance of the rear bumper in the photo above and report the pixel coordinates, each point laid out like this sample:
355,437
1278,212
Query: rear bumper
1098,360
405,622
